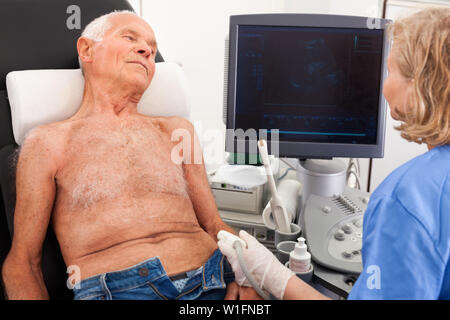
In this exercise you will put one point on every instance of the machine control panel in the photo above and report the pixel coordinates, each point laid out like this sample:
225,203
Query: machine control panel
333,229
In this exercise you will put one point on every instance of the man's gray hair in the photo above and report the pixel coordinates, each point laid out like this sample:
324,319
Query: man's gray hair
97,28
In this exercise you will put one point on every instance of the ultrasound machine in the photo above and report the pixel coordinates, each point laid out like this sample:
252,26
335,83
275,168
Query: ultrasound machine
312,85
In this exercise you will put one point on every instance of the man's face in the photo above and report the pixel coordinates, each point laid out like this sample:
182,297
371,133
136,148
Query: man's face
127,52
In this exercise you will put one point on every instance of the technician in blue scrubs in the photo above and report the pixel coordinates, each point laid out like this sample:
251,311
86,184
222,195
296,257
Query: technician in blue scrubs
406,231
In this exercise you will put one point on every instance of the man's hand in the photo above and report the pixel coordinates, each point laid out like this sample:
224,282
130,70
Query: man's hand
200,192
235,292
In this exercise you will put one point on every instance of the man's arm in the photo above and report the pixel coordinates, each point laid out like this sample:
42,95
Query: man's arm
199,190
35,193
202,198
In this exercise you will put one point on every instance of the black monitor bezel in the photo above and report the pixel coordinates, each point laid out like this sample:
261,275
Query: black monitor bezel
306,149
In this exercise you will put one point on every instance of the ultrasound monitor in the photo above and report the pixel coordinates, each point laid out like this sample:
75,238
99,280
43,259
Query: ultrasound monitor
314,80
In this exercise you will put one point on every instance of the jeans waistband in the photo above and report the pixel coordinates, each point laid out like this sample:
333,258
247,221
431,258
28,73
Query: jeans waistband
151,270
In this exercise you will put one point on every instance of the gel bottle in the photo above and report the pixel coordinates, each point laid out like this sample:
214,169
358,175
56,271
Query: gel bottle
300,258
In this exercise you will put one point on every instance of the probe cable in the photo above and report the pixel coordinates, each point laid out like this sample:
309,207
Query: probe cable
238,247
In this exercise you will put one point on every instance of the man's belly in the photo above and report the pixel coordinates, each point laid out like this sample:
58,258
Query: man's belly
121,232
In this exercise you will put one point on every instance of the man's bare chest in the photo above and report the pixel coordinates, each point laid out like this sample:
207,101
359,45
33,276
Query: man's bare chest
105,163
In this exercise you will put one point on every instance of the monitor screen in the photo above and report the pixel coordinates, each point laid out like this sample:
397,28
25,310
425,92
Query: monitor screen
317,85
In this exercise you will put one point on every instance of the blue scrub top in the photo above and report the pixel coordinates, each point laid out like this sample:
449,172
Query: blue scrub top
406,233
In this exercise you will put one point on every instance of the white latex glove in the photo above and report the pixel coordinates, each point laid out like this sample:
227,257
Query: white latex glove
267,271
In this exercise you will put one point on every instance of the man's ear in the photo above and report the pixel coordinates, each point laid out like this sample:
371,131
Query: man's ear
85,47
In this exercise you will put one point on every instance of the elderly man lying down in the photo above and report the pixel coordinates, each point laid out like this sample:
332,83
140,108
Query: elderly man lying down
131,221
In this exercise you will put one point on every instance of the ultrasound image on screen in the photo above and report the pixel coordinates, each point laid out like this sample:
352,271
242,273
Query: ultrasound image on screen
313,84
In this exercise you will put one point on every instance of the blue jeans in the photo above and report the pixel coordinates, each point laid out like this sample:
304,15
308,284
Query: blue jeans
149,281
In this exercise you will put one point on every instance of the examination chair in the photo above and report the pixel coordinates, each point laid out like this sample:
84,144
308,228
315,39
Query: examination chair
40,82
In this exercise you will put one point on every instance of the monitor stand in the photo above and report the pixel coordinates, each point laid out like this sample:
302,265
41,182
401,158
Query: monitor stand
324,178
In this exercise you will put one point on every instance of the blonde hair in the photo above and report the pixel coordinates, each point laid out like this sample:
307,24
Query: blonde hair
422,43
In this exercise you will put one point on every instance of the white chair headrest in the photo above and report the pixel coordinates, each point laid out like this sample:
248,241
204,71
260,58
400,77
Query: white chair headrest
39,97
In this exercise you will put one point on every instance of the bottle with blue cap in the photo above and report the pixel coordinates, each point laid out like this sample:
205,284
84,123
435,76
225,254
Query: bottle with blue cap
300,258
